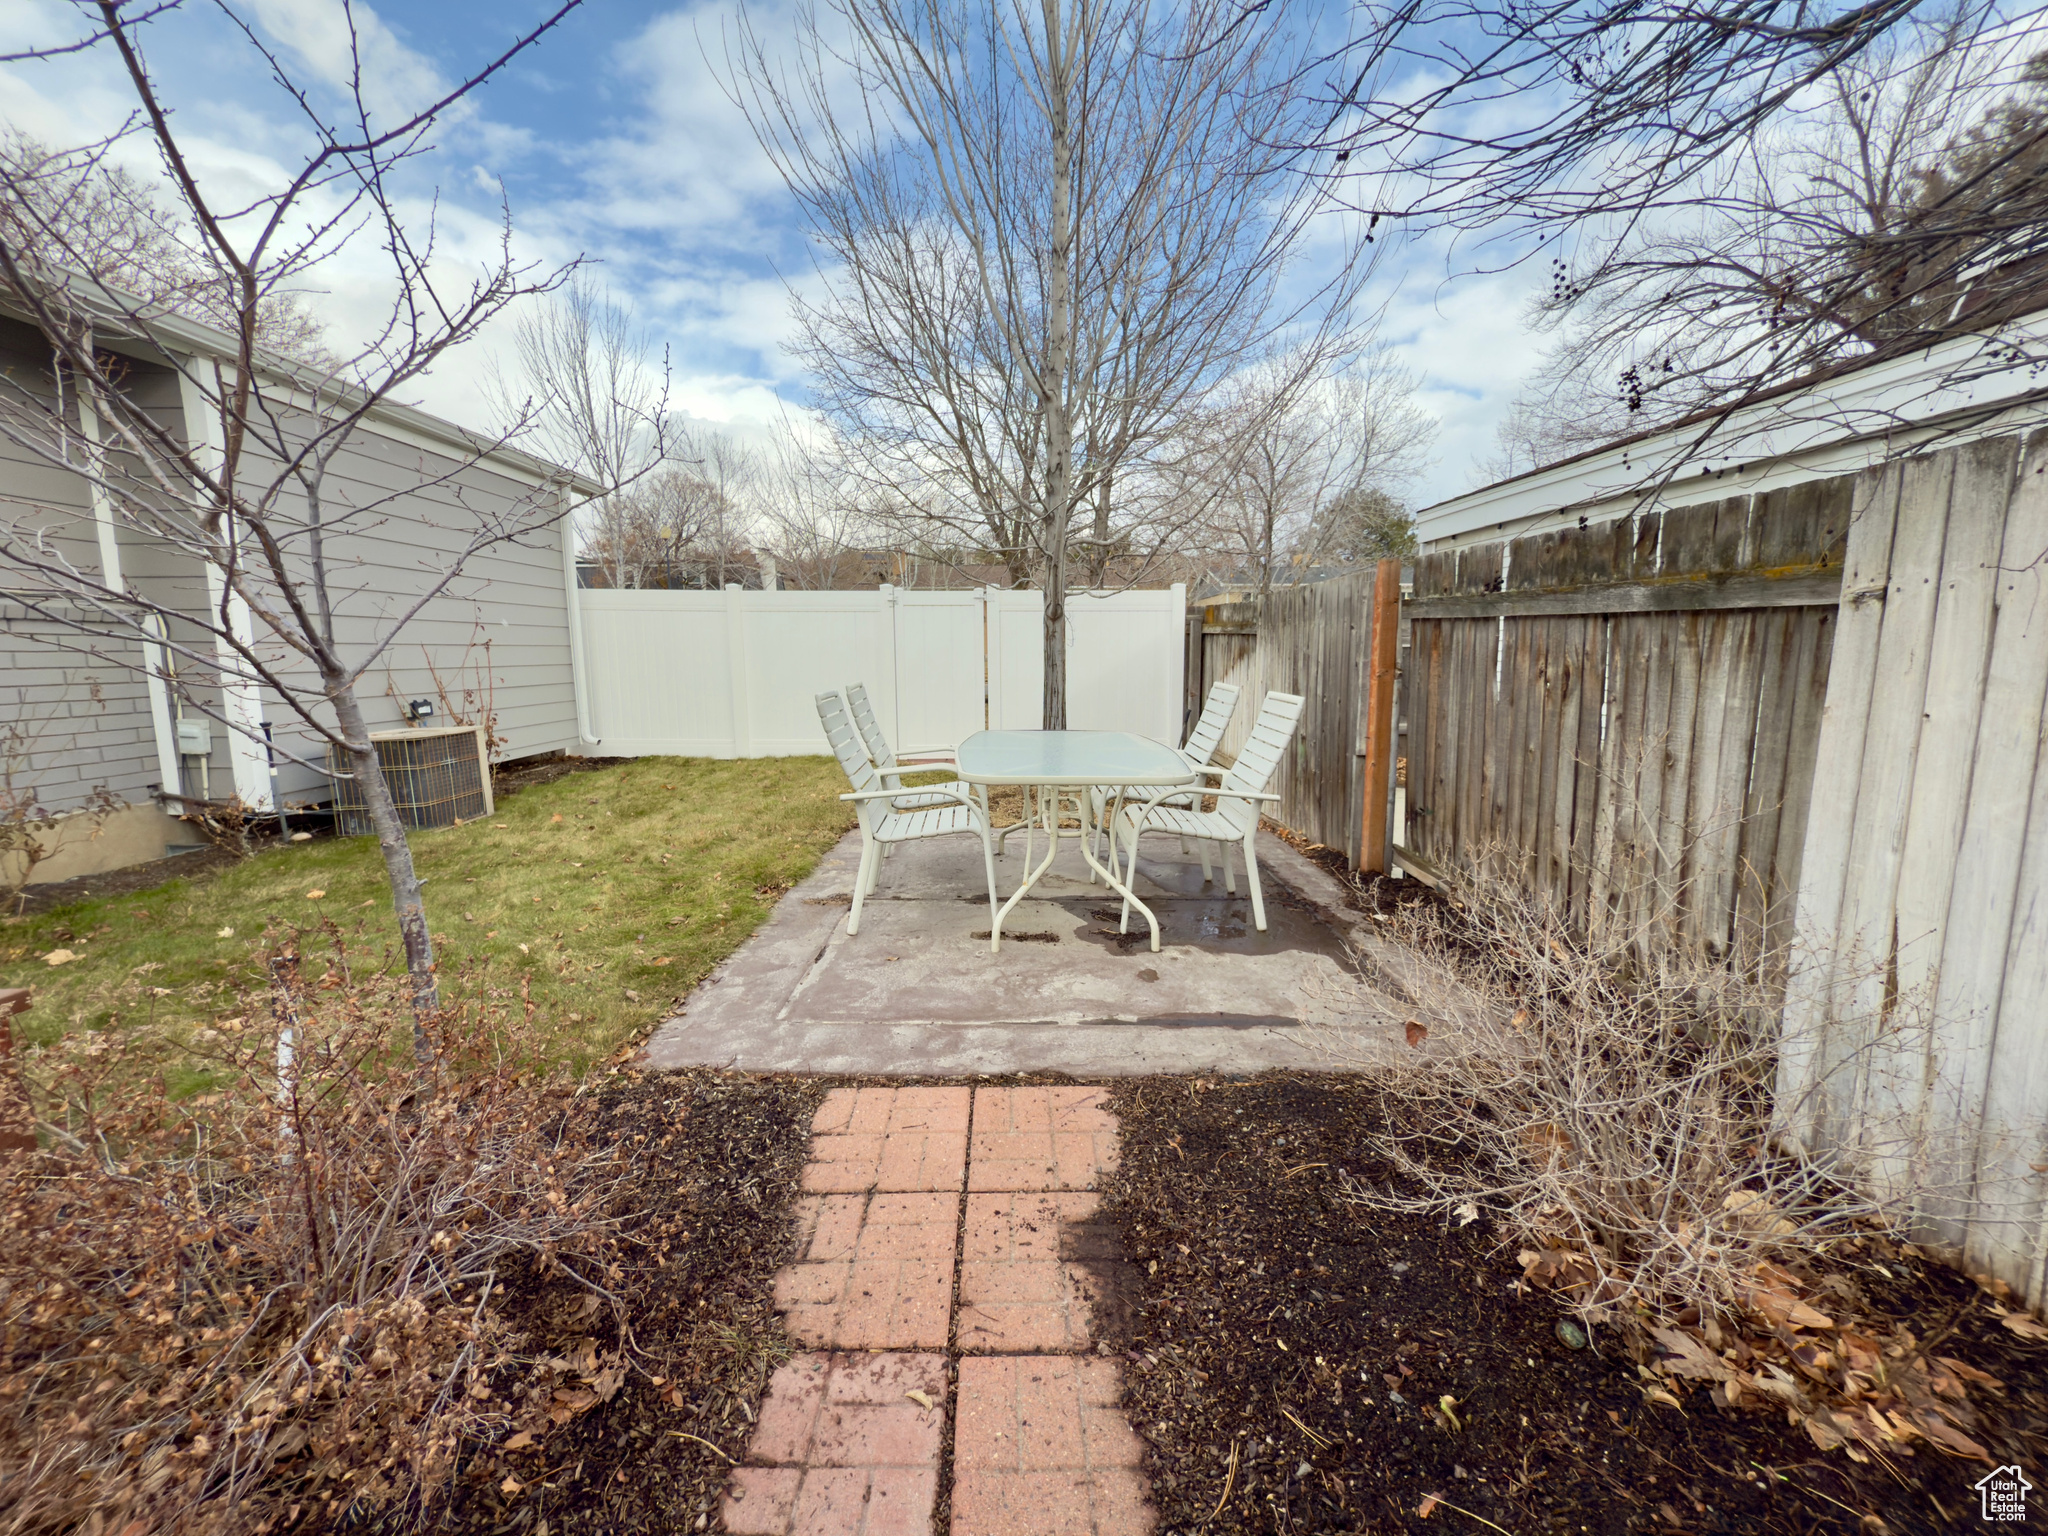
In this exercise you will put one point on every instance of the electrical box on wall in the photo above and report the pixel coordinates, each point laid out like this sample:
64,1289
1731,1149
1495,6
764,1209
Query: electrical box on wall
195,738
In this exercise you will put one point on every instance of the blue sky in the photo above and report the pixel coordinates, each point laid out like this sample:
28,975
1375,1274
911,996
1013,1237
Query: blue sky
612,140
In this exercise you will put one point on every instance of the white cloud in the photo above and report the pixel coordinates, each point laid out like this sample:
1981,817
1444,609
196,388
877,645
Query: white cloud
339,44
1467,341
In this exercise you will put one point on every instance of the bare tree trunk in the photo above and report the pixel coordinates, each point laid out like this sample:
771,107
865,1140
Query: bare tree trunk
1266,562
1059,429
405,882
1098,561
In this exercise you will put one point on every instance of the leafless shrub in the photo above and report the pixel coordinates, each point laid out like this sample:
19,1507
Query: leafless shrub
1613,1117
274,1300
31,832
223,823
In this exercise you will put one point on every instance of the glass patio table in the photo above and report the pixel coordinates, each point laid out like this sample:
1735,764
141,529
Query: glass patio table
1056,770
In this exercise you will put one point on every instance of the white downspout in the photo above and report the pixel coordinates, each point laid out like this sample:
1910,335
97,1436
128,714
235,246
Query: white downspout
578,687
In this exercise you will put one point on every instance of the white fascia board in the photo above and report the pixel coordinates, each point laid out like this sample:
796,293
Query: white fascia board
1939,397
418,429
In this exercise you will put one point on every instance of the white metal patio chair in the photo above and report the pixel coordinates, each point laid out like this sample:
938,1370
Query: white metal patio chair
891,770
1199,750
1238,798
881,825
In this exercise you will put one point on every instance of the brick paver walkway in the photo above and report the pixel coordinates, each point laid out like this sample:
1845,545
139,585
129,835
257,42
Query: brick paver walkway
944,1274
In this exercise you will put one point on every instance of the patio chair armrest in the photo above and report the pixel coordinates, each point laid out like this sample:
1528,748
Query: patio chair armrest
929,759
916,789
1241,794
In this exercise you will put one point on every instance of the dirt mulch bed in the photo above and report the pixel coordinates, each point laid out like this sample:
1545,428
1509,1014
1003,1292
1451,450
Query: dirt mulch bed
1316,1338
524,773
49,895
718,1158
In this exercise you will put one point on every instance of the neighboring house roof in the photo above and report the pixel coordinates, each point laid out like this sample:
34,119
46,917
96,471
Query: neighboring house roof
1957,389
180,335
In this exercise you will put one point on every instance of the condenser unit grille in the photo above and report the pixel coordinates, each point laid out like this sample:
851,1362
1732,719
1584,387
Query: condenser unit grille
438,777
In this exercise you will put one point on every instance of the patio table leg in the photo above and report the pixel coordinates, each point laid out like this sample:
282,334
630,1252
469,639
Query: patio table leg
1130,896
1036,805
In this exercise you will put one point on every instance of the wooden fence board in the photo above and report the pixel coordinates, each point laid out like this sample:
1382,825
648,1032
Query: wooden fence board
1762,818
2009,1215
1867,937
1815,630
1309,641
1909,1079
1474,698
1976,1003
1705,814
1744,639
1585,778
1522,680
1554,699
1809,998
1615,781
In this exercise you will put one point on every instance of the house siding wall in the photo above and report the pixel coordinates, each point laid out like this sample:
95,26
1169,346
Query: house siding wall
77,706
497,636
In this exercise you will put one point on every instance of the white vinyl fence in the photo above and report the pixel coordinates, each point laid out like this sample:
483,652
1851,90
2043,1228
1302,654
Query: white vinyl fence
736,673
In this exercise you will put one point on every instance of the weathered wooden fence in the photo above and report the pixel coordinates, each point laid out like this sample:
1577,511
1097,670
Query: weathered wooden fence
1804,729
1311,640
1916,1017
1624,718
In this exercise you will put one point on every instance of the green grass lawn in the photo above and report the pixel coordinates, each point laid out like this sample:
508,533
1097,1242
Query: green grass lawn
609,893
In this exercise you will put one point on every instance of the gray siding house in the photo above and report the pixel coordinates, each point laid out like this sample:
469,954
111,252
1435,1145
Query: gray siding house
81,719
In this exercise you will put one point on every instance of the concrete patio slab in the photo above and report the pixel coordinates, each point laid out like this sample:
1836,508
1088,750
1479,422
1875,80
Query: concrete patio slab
917,991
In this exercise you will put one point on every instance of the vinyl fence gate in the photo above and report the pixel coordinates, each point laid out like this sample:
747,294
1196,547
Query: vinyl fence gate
735,673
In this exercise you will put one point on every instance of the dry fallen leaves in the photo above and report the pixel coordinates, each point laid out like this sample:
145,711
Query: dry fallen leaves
1853,1392
59,957
1416,1033
2027,1327
921,1398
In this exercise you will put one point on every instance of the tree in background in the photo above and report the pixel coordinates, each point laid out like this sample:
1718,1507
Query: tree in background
1291,458
249,497
815,515
76,210
1597,132
586,390
1048,235
1360,527
1858,226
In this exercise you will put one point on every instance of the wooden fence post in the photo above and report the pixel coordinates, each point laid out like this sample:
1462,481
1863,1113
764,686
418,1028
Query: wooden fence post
1383,660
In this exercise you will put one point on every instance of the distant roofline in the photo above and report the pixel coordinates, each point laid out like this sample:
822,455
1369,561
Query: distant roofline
1759,437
